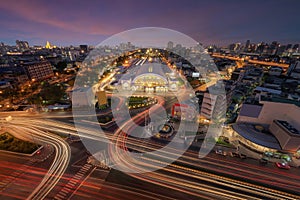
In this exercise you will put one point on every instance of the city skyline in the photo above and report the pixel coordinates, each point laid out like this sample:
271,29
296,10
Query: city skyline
149,100
65,23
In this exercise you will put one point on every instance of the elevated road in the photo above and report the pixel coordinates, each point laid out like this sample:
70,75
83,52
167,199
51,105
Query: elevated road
244,60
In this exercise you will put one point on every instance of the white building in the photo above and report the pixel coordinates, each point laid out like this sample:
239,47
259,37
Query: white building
214,103
281,121
152,77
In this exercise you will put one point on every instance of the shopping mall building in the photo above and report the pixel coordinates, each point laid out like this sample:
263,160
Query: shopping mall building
271,126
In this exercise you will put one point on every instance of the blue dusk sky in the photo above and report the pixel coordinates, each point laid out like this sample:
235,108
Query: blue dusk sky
218,22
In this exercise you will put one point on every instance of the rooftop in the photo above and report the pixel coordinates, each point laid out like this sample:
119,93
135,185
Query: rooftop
253,134
290,129
269,90
279,99
154,68
250,110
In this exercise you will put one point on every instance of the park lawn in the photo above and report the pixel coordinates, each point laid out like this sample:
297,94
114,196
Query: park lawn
10,143
136,100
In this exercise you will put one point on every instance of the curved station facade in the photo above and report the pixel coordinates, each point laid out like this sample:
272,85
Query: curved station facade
150,77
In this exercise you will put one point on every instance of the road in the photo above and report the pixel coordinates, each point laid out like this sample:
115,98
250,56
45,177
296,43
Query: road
259,62
187,175
204,87
217,165
24,128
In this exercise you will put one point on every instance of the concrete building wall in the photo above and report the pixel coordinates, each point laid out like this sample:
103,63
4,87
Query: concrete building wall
39,70
274,110
287,141
280,134
293,144
208,104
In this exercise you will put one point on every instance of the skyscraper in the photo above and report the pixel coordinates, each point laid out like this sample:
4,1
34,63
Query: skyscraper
247,45
274,47
83,48
294,70
170,45
296,48
22,45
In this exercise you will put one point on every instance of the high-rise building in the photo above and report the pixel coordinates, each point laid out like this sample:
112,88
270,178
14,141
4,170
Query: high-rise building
214,103
213,106
273,48
294,70
170,45
22,45
281,49
83,49
247,45
296,47
289,46
261,47
234,47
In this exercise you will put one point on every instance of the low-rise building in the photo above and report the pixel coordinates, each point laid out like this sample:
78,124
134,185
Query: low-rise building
287,135
275,71
38,70
279,122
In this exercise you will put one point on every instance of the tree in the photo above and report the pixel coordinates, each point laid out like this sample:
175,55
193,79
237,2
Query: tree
61,65
52,93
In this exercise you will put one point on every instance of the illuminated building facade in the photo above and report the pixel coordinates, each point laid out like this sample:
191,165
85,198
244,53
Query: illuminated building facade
38,70
152,77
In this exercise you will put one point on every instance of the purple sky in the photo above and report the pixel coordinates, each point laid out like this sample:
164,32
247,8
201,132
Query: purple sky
89,22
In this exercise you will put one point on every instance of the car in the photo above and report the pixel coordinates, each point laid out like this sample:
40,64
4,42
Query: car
286,157
277,155
243,156
234,154
282,165
264,160
269,154
221,152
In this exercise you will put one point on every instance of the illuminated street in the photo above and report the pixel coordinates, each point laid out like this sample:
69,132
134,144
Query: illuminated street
70,176
149,100
183,176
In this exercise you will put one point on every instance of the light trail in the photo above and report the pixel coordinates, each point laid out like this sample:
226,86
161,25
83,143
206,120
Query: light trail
120,156
61,157
123,141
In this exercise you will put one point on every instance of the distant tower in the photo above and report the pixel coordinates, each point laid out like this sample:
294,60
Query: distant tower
22,45
247,45
170,45
49,46
296,48
83,48
294,70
